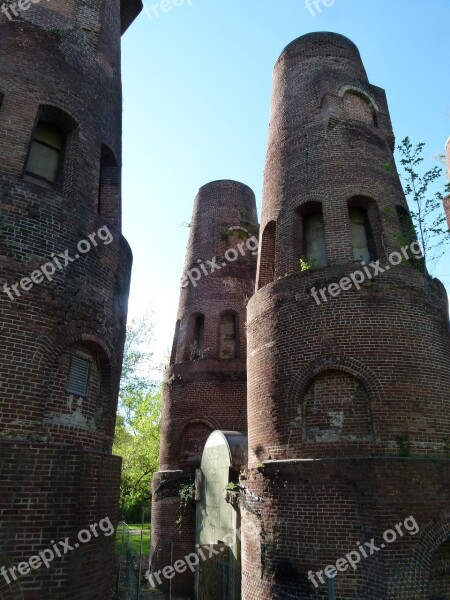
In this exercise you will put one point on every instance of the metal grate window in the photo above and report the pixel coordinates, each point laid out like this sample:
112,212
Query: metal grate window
78,376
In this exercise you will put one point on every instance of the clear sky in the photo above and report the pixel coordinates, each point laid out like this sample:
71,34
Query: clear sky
197,87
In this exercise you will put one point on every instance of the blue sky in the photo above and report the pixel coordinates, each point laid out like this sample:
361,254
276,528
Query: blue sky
197,87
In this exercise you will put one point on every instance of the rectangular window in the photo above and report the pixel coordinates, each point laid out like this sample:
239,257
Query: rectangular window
77,382
45,155
198,336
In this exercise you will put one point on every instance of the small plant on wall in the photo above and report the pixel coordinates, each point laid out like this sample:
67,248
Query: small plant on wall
187,497
307,264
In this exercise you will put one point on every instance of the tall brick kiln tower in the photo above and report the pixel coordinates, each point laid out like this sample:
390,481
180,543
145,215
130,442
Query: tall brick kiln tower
205,385
61,337
348,400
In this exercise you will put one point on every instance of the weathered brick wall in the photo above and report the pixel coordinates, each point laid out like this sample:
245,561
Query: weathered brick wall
306,515
60,63
52,493
173,530
390,338
84,307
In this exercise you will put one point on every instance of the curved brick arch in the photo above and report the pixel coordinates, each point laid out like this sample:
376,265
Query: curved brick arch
358,90
416,576
381,215
59,343
49,349
52,345
331,362
200,428
12,590
360,192
212,423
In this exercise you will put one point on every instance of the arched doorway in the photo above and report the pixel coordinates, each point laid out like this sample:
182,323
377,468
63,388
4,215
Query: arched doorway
440,573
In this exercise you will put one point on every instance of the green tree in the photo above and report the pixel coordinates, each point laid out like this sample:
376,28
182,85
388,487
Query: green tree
137,442
138,421
426,205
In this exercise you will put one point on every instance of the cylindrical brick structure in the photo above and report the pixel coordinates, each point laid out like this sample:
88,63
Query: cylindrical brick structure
64,279
348,379
205,385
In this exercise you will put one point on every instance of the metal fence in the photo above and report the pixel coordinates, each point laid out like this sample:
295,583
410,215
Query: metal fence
129,566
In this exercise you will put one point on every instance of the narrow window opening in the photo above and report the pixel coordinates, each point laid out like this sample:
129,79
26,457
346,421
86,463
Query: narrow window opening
315,251
228,337
109,187
363,241
77,381
45,155
267,255
199,331
173,355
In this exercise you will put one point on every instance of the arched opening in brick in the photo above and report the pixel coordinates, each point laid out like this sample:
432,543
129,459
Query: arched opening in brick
45,155
51,155
309,236
109,187
197,348
228,336
267,255
80,390
440,573
359,107
192,441
365,228
336,406
362,236
173,354
314,246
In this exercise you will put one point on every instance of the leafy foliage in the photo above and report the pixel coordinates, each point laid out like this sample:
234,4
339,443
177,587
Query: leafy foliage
425,205
306,264
138,421
187,496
